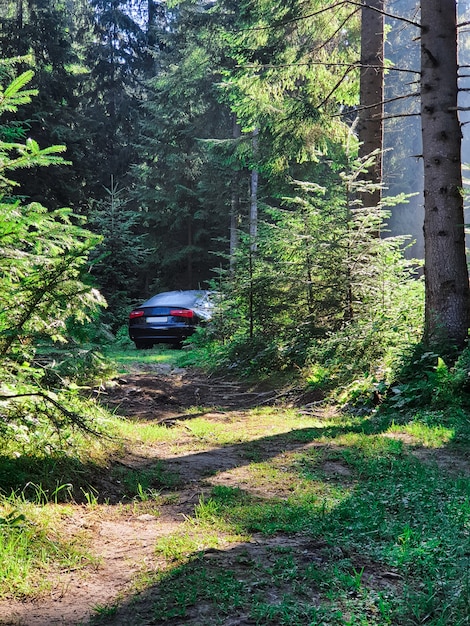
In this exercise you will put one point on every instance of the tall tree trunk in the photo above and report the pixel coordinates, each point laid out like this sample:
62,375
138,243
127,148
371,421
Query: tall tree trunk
189,260
151,23
234,216
235,202
253,219
253,226
446,274
370,118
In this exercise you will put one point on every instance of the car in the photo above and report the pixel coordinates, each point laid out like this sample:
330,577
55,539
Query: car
170,317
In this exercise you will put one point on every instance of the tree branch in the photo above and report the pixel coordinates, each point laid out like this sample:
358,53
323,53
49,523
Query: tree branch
396,115
388,101
335,87
74,418
340,27
295,19
307,63
385,14
332,7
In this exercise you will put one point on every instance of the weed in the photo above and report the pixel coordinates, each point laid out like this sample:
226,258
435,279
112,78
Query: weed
12,519
104,611
91,496
179,547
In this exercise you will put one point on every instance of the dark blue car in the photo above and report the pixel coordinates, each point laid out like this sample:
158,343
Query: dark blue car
169,317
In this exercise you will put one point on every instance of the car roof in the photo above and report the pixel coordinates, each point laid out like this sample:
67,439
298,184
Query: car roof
186,298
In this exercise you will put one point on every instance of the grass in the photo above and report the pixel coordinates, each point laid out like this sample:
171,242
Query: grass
32,547
147,432
325,521
394,549
125,357
391,537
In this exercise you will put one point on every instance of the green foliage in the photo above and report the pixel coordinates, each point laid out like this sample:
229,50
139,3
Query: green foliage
182,181
42,261
43,280
14,155
424,379
327,289
15,95
119,255
272,83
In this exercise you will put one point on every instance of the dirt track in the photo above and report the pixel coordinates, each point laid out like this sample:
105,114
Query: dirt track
124,543
123,539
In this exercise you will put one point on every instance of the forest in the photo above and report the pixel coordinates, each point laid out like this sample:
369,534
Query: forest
305,160
251,148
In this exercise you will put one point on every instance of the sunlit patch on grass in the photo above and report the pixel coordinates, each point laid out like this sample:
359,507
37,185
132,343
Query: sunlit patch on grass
434,436
196,536
213,432
370,445
146,432
159,355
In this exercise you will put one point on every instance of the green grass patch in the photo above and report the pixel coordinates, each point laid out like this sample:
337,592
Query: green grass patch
378,514
193,585
279,588
125,358
214,433
147,432
32,548
431,436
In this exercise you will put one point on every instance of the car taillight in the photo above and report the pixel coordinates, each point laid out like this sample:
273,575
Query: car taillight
182,313
135,314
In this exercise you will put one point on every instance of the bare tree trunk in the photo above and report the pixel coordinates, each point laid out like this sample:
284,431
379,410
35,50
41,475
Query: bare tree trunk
234,217
446,274
370,118
189,261
235,203
254,197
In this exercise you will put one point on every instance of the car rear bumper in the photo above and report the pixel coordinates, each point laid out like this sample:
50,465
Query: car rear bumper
161,335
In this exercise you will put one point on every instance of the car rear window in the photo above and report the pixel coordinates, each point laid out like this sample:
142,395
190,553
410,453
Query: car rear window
176,298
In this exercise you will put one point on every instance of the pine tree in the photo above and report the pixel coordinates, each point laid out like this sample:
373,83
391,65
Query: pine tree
447,286
44,252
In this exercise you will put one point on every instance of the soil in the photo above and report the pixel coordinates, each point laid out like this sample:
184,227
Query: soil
123,539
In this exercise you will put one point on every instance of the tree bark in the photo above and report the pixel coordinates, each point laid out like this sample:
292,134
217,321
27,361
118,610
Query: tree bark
235,202
253,218
446,273
370,118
